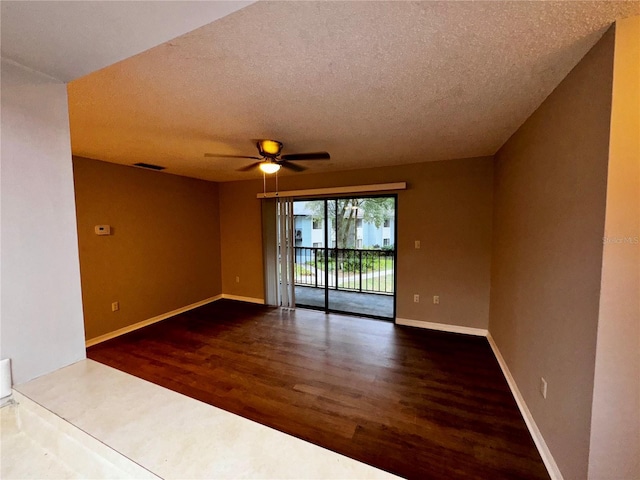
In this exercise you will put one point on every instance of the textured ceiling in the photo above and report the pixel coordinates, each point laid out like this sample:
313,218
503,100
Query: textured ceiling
373,83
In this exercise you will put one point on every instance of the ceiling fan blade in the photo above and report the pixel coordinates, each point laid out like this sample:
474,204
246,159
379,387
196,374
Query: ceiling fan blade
249,167
217,155
291,166
306,156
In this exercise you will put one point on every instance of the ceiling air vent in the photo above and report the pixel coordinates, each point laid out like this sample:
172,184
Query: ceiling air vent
149,166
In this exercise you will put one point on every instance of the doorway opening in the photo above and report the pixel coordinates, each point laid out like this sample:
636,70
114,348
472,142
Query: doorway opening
345,255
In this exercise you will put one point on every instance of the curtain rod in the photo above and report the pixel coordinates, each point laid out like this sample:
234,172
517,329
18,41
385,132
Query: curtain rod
378,187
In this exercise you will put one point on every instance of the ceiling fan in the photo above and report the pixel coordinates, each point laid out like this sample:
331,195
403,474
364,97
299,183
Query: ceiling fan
270,159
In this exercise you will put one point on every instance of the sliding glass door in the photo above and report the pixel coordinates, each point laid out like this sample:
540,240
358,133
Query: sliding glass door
345,255
310,253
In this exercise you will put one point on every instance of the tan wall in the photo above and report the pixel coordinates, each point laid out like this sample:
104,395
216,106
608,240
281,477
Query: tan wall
447,207
615,429
241,239
164,252
550,186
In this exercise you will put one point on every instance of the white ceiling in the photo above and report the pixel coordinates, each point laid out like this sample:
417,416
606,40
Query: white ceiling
69,39
373,83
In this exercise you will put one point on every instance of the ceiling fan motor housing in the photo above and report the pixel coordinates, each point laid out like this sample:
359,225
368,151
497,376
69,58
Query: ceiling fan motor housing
269,148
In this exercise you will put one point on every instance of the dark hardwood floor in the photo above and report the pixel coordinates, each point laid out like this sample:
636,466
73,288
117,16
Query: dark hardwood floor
414,402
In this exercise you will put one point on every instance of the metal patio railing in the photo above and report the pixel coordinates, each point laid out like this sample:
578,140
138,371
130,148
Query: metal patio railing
352,269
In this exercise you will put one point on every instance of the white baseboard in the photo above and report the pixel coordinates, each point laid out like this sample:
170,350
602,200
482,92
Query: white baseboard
149,321
547,458
243,299
480,332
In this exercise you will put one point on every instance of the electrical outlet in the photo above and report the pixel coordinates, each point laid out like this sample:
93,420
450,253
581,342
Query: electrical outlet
543,388
417,244
115,306
237,279
436,299
416,298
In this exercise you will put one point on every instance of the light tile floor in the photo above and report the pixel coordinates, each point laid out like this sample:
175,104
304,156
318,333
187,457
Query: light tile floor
38,444
174,436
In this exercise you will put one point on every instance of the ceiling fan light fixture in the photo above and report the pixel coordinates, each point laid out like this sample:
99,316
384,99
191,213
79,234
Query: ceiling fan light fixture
269,167
269,148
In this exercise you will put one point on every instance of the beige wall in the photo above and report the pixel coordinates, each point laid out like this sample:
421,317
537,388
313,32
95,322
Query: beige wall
241,239
550,186
164,251
447,206
615,429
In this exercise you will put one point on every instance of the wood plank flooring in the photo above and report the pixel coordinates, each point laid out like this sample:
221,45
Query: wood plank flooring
414,402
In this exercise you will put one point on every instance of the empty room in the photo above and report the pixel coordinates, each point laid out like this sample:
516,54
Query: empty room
320,239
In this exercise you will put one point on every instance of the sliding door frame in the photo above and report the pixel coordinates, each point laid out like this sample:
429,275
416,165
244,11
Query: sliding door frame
326,249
